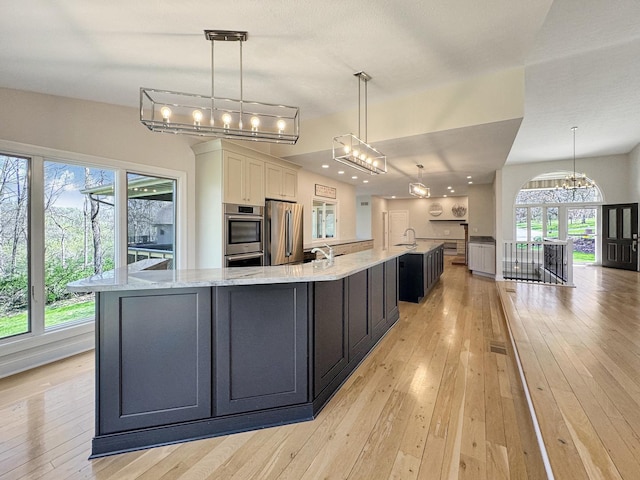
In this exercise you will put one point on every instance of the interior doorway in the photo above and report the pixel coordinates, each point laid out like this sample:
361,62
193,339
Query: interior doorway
398,223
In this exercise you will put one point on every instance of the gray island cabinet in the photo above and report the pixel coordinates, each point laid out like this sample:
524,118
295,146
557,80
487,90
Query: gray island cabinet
420,270
189,354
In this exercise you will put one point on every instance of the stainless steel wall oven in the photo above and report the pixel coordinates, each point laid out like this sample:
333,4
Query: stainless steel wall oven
243,231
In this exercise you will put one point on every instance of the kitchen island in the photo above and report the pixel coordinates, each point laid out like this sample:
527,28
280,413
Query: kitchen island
190,354
420,270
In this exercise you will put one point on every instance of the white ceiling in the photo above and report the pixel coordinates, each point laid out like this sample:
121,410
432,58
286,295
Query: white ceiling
581,59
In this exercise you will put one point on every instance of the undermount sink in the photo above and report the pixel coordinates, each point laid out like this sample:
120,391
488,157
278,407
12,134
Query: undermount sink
322,263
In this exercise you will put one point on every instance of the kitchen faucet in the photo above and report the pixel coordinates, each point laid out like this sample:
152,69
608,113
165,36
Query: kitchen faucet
410,229
328,256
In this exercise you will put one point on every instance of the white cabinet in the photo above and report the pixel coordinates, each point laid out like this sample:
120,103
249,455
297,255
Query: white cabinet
281,183
482,258
243,179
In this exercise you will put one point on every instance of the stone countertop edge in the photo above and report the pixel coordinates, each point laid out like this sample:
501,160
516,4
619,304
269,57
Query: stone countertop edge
122,279
482,240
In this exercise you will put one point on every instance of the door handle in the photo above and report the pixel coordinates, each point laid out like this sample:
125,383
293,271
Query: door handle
634,244
287,237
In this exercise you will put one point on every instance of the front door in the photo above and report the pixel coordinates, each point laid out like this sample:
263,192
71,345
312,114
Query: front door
620,236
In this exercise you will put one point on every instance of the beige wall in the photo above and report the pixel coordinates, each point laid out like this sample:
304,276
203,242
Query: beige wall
378,206
90,128
427,225
482,210
487,98
634,174
345,196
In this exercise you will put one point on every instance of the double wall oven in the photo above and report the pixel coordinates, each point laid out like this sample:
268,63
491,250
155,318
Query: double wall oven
244,226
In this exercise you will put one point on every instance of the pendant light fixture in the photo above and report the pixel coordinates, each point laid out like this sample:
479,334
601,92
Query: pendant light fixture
192,114
353,151
576,180
418,189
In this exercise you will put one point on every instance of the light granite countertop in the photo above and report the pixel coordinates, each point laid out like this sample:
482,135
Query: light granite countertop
124,279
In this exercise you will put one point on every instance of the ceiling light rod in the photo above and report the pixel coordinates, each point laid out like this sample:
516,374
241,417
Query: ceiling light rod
417,189
351,150
576,181
183,113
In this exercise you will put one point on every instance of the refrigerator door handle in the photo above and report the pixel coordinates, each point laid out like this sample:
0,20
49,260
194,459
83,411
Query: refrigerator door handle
287,235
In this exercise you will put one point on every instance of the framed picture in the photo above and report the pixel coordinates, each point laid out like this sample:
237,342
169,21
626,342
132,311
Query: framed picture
324,191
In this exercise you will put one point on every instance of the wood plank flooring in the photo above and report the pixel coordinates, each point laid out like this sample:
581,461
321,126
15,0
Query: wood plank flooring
435,399
580,352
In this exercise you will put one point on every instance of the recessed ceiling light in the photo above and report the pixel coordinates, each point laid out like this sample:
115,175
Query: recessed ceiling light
354,177
448,188
340,172
470,183
453,191
325,166
469,176
393,196
365,181
444,196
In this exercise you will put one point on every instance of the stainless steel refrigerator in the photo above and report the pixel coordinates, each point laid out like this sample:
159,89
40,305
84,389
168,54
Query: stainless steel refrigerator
283,233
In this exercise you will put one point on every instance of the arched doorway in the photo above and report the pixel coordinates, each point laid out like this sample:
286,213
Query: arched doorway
543,209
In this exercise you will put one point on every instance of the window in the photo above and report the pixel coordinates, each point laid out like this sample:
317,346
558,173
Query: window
150,218
79,237
323,223
59,223
582,228
544,211
14,246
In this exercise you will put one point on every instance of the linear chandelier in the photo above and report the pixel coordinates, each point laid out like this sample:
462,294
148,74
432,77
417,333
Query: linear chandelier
576,181
418,189
192,114
354,152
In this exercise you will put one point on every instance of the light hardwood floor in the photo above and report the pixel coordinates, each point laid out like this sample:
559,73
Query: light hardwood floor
580,350
435,399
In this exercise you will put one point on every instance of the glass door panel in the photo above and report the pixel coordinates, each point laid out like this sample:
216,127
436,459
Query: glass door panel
626,223
14,251
613,226
522,224
552,222
150,220
78,235
582,228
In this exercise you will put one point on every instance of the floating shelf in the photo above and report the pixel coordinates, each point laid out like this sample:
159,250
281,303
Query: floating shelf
461,220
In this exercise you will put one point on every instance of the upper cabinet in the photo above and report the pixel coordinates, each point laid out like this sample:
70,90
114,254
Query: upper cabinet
281,183
227,172
243,179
